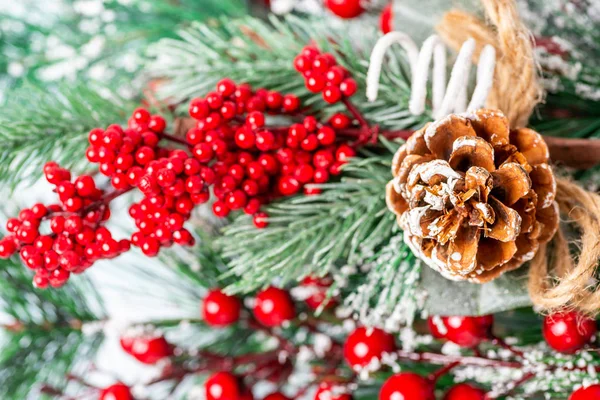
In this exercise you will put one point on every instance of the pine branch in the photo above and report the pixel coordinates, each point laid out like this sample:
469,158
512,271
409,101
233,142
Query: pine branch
347,223
386,292
262,53
100,42
45,341
37,126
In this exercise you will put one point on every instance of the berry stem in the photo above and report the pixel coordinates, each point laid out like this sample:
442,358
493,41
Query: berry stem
173,138
356,113
514,386
443,371
501,343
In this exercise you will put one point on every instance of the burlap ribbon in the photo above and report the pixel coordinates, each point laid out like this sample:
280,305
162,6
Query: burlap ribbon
556,280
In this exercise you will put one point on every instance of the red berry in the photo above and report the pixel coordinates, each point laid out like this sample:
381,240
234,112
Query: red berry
12,225
332,94
7,248
150,246
260,220
276,396
226,87
245,138
59,277
364,344
274,100
464,391
464,331
148,349
348,87
141,116
568,332
39,210
144,155
291,103
27,234
310,143
237,199
57,224
198,108
273,306
326,136
589,393
85,185
288,185
220,209
265,141
323,159
43,243
302,63
345,8
331,391
220,309
344,153
203,152
407,386
386,20
304,173
157,123
339,121
335,75
222,386
269,163
315,83
255,119
318,287
118,391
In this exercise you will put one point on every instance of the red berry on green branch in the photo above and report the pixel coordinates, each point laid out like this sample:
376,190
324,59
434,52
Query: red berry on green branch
464,331
220,309
346,8
276,396
464,391
386,20
318,288
273,307
332,391
222,386
407,386
118,391
586,393
147,349
365,344
569,331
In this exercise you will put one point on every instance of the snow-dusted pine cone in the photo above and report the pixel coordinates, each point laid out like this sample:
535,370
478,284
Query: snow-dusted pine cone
475,199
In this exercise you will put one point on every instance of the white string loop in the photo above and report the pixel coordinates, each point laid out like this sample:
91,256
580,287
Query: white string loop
445,99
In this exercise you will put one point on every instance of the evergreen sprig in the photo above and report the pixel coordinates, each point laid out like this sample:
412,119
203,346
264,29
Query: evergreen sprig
37,125
262,52
44,341
347,223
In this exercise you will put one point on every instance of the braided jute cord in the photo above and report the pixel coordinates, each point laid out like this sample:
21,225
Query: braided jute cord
555,281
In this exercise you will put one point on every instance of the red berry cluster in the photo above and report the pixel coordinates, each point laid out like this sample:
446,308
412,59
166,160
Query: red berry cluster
323,75
75,238
122,154
172,186
248,163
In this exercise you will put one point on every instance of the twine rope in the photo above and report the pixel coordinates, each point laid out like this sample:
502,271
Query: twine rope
555,281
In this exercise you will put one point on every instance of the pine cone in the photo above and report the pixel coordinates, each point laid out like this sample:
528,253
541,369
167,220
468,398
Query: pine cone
475,199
